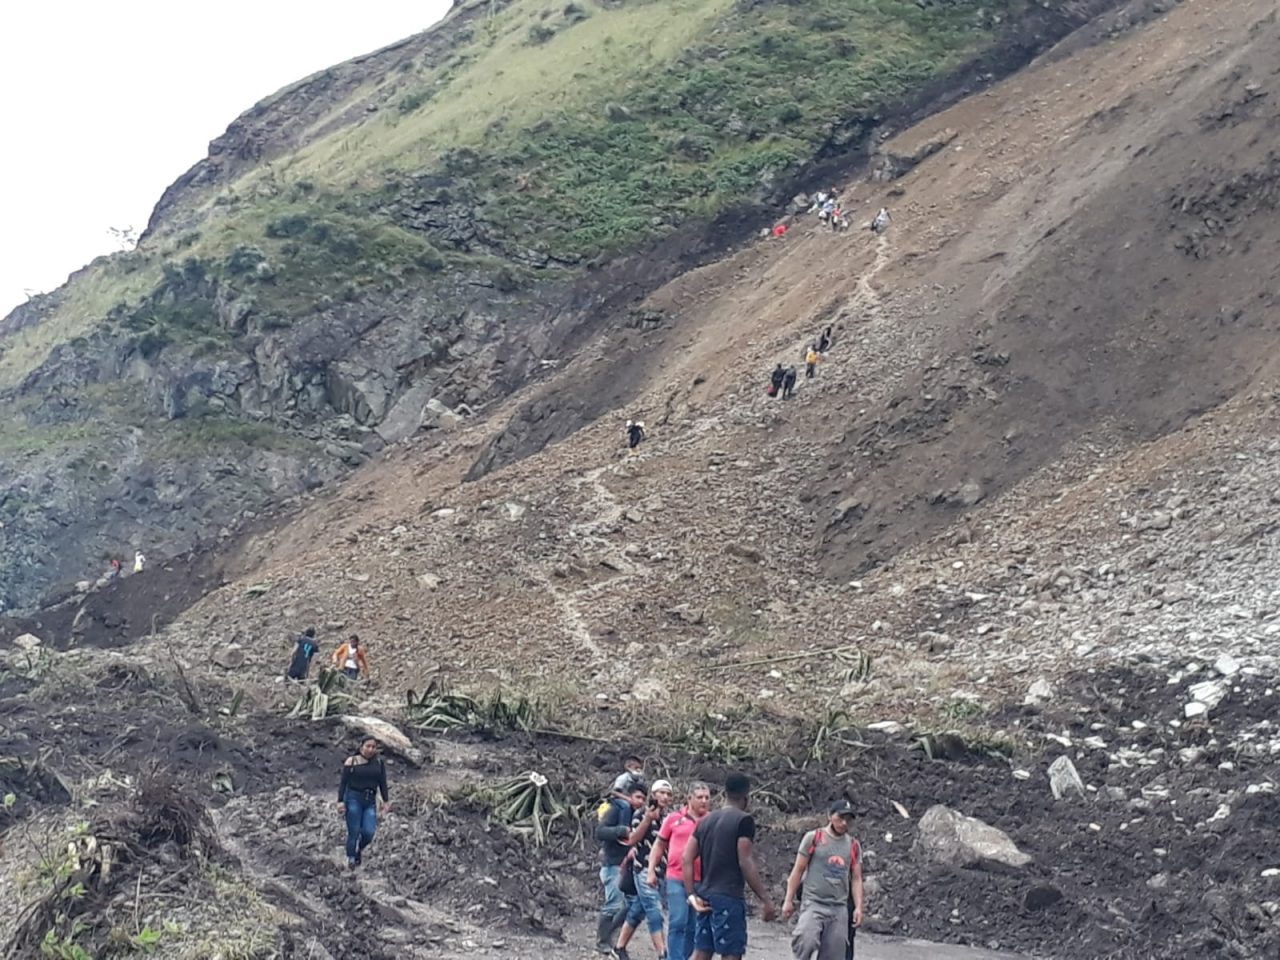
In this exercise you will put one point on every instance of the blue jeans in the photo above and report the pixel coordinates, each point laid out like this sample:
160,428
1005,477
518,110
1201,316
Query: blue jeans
679,924
362,821
615,901
646,903
723,929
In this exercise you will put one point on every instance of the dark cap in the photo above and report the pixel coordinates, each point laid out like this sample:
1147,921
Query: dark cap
842,807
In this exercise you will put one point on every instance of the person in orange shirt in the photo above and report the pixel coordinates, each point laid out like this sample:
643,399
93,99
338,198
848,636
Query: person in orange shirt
811,360
350,658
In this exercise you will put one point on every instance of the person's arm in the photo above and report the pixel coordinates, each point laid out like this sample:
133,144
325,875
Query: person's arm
338,654
793,884
382,781
751,873
857,887
655,857
342,784
641,828
687,861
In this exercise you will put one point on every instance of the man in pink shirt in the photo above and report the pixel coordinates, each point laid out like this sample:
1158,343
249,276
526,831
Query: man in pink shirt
676,830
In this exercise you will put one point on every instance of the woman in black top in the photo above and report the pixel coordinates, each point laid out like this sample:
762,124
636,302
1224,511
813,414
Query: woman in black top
364,776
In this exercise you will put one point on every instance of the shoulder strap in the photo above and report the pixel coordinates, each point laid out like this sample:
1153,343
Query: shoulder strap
818,837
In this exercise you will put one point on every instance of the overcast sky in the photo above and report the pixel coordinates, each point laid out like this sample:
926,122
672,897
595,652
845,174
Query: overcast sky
107,103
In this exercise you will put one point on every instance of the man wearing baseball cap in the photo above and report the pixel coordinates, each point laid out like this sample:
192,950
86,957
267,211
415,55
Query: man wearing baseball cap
829,864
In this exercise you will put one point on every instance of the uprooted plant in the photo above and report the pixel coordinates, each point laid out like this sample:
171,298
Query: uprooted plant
439,708
78,912
526,804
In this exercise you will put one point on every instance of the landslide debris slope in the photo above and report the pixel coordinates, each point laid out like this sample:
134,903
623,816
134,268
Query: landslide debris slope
1024,512
404,238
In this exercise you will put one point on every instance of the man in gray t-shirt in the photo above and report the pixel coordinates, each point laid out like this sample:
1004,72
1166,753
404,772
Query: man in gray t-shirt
829,863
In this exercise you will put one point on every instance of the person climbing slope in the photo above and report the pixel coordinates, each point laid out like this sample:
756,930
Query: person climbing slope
789,383
775,380
304,649
364,776
811,360
350,658
635,433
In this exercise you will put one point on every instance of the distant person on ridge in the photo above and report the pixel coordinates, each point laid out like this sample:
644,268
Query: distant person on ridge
775,380
113,573
829,864
724,841
303,651
811,360
364,776
881,222
635,433
139,561
789,383
824,341
350,658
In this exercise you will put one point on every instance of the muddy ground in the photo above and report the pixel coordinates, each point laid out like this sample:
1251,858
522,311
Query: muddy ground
1165,854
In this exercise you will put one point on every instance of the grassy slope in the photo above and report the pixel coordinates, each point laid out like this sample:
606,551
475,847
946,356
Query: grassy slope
717,98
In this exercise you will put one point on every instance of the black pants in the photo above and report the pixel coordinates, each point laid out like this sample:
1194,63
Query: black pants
809,370
787,388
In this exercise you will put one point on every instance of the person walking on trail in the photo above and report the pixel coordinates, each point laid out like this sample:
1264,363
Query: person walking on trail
114,571
775,380
139,561
811,360
350,658
635,433
613,832
673,836
647,904
724,840
829,865
881,222
303,650
364,776
789,383
824,341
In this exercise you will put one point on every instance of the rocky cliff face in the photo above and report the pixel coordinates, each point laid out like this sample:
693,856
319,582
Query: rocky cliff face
323,284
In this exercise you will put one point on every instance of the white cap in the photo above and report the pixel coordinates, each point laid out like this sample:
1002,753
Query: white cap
661,785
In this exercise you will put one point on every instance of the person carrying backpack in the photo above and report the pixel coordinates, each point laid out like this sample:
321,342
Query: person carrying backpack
829,865
613,832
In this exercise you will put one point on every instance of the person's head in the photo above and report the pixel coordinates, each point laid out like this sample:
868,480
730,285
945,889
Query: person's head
353,641
636,797
660,793
699,799
841,817
737,789
369,747
309,632
634,765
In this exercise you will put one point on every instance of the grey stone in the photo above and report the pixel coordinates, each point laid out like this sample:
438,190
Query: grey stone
1064,780
948,837
229,656
390,736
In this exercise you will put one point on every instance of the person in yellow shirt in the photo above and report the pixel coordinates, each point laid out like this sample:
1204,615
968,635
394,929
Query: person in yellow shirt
350,658
811,360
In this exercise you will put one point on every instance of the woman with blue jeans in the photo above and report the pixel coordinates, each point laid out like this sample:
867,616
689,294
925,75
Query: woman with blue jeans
364,776
647,903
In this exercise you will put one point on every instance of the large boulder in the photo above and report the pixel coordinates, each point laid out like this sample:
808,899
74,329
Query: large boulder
948,837
388,735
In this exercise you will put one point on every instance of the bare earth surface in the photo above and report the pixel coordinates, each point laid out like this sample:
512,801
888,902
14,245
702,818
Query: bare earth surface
1026,511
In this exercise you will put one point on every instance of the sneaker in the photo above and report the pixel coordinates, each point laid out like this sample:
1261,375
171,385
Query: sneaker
351,863
620,953
605,948
359,859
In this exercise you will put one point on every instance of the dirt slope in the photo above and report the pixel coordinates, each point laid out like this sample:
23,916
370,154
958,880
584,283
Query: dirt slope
1042,448
1083,268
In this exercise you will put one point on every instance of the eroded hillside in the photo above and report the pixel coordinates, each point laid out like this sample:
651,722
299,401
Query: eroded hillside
403,239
